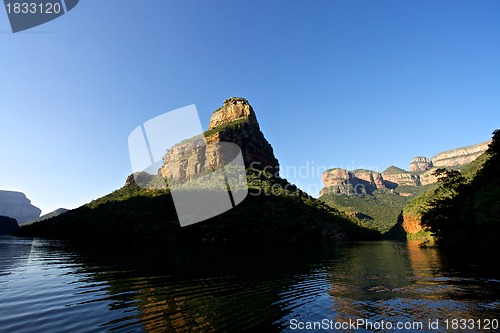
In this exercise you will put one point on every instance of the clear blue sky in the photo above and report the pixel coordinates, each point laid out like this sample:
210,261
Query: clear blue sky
334,83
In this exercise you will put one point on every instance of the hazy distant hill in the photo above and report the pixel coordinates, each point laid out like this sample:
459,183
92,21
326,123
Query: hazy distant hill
55,213
16,205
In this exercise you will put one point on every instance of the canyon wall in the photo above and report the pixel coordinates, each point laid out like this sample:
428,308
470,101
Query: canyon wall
341,181
459,156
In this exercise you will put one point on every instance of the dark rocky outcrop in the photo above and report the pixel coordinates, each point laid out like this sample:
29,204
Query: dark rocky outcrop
7,225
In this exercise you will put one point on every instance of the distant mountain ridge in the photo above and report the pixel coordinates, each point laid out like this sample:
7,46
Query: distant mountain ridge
18,206
342,181
54,213
378,199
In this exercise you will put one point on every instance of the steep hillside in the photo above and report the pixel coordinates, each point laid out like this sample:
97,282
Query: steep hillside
380,210
54,213
463,213
269,213
412,213
378,200
274,209
235,122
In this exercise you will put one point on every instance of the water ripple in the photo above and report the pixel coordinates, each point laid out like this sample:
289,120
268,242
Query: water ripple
50,287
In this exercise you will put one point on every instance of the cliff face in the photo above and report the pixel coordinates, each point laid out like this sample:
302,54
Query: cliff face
459,156
371,177
233,109
447,159
394,177
235,122
360,182
420,163
411,224
16,205
341,181
337,181
427,177
185,160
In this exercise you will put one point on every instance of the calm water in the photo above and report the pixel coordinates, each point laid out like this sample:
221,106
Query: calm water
48,286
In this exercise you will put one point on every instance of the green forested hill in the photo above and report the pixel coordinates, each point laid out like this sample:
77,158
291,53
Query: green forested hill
464,211
379,210
273,211
421,203
384,210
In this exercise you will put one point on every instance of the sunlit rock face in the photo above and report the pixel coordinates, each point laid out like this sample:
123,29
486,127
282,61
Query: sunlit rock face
394,176
235,122
373,178
234,108
411,224
16,205
428,177
420,163
342,181
459,156
337,181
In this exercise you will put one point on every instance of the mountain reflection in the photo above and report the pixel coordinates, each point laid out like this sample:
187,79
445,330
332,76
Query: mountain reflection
226,288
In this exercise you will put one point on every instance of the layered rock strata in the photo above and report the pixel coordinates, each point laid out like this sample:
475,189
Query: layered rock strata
420,163
235,122
342,181
394,176
459,156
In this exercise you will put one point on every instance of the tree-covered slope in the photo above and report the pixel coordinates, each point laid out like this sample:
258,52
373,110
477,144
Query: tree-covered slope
8,225
421,203
379,210
274,210
463,214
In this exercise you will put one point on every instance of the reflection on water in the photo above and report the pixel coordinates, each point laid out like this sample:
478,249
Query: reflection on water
53,287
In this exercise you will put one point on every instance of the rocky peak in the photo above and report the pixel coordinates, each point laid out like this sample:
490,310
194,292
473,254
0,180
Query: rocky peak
420,163
234,108
235,122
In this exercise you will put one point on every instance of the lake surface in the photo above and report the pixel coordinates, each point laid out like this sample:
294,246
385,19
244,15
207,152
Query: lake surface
50,286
